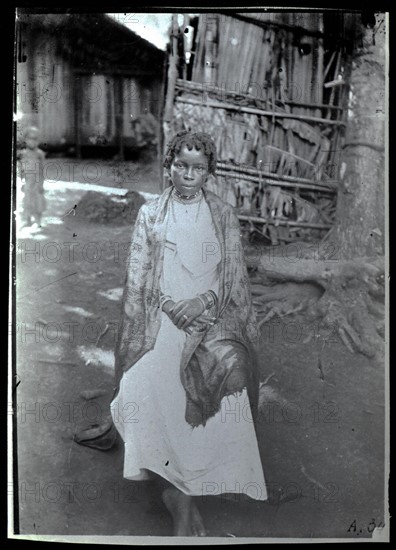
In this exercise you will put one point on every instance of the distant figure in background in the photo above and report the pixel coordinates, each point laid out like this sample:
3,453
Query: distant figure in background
30,166
145,128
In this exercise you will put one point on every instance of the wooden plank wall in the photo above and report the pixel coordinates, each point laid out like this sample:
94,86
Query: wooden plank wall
45,91
267,61
72,108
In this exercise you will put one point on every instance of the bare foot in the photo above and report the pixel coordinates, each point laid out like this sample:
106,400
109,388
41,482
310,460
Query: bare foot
197,525
187,520
179,506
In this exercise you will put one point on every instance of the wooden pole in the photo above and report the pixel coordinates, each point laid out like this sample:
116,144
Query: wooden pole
160,140
277,183
290,223
216,90
172,71
241,169
329,65
210,71
275,114
336,70
319,69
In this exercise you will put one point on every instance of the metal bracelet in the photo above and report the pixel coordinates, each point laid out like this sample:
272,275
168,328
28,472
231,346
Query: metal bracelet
164,302
200,298
164,299
210,298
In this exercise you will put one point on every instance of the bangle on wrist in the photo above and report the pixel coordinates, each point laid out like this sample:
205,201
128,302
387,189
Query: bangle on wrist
210,298
165,298
202,300
164,302
213,293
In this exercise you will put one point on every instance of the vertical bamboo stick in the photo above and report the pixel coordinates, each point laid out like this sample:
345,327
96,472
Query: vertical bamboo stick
160,137
210,72
329,65
229,61
222,49
248,45
332,94
257,55
262,63
172,71
319,68
199,49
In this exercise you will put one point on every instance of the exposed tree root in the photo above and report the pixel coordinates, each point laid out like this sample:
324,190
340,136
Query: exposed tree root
351,302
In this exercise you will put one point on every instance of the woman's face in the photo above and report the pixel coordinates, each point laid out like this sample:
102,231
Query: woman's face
189,170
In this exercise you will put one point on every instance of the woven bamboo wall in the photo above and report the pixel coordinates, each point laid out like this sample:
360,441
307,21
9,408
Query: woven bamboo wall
261,92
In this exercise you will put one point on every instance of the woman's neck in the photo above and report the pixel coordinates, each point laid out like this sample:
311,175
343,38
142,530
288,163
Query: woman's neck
186,197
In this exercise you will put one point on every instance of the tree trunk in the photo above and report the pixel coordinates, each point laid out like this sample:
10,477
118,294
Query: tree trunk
356,303
352,297
359,229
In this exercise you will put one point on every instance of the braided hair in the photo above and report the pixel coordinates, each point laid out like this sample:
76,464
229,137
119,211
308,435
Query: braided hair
192,140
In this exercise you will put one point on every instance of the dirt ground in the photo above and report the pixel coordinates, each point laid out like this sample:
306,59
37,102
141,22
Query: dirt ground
320,431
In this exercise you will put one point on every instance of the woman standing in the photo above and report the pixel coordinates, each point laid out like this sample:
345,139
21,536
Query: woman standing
186,373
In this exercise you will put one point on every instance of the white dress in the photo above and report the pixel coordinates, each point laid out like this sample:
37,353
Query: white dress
221,457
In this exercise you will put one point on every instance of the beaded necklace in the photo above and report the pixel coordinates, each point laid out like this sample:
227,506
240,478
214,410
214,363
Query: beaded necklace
186,197
183,199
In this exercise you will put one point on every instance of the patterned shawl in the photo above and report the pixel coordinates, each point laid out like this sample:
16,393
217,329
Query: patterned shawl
217,362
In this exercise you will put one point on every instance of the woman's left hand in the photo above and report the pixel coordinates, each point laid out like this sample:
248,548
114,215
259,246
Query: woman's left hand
200,323
185,311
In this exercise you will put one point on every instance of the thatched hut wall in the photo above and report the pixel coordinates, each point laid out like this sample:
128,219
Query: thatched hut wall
272,92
